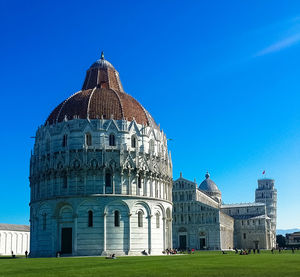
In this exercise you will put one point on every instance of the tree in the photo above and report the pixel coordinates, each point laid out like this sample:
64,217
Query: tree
281,241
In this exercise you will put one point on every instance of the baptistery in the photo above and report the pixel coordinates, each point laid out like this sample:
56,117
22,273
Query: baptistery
100,174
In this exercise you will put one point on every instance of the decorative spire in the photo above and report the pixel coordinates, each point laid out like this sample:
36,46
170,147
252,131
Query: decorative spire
102,55
207,175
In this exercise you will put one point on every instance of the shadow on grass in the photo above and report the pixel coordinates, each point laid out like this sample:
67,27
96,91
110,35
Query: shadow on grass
11,258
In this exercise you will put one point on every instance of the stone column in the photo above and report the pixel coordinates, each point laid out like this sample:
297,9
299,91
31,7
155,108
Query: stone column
103,174
84,180
75,234
76,182
137,189
104,232
161,193
94,182
151,185
121,192
166,194
113,182
145,188
158,187
59,183
68,181
129,233
149,233
129,182
171,232
164,232
55,230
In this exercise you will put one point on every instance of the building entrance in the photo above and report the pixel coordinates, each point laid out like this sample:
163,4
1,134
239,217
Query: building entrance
182,241
66,240
202,244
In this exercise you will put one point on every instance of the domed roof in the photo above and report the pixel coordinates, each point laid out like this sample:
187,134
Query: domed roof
101,96
102,63
208,185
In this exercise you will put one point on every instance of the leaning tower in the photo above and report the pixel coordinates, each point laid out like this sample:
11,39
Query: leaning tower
266,193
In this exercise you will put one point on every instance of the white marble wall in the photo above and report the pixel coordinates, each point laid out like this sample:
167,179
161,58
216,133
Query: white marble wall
103,237
226,231
15,241
196,216
252,228
68,180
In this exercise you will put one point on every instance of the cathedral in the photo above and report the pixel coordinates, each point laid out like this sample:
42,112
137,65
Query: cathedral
202,221
100,174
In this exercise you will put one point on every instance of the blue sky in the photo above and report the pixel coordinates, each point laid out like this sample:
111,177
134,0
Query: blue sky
221,77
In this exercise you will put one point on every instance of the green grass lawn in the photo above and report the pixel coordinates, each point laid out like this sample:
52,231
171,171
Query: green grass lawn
200,264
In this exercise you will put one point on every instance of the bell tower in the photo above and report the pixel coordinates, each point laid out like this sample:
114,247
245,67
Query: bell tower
266,193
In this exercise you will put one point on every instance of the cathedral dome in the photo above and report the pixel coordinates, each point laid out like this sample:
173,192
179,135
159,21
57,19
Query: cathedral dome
208,185
101,96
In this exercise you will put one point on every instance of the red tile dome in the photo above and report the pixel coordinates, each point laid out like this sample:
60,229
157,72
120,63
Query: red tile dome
102,96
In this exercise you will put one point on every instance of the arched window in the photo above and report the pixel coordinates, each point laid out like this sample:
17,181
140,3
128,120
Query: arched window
88,139
151,146
157,220
140,219
90,223
139,182
65,181
112,140
65,141
108,179
133,142
47,145
44,222
94,164
117,219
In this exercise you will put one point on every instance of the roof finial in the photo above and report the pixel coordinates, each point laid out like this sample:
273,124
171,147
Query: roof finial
102,55
207,175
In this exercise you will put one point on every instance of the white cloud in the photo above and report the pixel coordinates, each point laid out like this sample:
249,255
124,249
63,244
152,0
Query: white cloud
280,45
